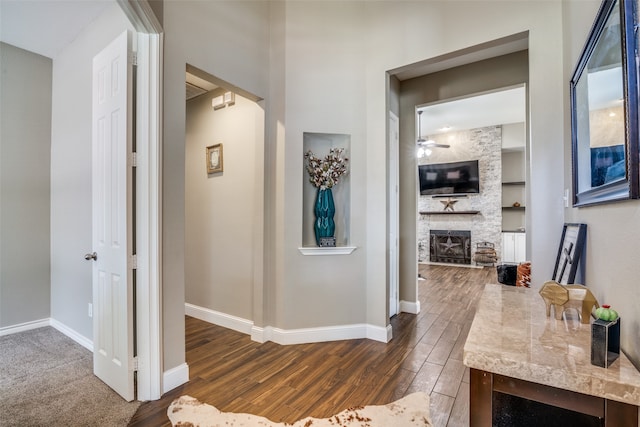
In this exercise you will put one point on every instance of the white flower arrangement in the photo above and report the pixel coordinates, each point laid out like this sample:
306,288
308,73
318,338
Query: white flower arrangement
325,173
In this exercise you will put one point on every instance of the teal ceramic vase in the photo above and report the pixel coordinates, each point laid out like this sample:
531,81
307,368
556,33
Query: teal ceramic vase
324,210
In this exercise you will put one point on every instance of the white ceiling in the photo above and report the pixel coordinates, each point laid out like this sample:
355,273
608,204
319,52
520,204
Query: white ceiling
46,26
495,108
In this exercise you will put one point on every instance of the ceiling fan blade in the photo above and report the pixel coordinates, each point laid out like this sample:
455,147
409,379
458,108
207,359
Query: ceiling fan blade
430,143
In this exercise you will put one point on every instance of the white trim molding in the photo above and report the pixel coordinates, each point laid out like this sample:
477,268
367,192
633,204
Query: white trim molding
321,334
289,336
80,339
26,326
175,377
217,318
60,327
148,196
411,307
338,250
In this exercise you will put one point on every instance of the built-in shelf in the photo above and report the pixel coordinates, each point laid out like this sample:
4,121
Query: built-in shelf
449,212
513,208
338,250
513,183
450,196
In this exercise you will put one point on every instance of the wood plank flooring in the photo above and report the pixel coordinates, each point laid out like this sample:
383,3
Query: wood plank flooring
286,383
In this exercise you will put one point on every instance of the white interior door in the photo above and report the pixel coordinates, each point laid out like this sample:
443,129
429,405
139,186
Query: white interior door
112,218
394,204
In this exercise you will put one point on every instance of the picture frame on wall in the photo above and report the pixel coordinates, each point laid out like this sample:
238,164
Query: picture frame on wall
605,135
571,247
214,158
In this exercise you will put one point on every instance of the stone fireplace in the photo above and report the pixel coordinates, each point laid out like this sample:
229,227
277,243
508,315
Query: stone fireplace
450,246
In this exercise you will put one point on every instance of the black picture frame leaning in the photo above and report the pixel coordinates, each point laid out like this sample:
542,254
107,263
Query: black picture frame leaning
625,186
571,247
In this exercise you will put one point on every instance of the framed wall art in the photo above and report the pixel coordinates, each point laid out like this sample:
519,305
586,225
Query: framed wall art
214,158
604,109
571,247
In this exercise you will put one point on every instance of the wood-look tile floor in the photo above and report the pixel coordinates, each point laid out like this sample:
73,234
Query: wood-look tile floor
286,383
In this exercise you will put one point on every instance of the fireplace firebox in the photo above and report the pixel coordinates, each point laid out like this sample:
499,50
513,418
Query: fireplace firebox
450,246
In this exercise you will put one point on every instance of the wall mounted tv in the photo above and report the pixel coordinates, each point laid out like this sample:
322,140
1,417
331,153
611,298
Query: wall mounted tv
449,179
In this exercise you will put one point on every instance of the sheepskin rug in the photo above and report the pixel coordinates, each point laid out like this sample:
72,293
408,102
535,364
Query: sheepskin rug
411,410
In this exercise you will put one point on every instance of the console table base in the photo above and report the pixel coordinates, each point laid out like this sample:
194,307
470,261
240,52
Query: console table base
484,384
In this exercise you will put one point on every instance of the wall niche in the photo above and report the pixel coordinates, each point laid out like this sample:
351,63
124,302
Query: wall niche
320,144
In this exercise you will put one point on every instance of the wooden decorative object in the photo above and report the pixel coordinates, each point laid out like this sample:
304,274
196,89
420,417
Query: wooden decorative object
485,253
523,277
582,300
554,294
562,297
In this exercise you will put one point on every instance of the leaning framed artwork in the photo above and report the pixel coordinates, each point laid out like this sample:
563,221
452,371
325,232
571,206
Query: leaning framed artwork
214,158
571,248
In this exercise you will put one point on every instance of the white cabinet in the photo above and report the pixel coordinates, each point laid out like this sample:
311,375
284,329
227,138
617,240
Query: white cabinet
514,247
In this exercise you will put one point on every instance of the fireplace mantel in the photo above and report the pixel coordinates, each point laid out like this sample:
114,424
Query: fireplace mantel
449,212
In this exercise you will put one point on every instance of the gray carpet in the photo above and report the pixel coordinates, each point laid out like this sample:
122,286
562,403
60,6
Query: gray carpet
46,379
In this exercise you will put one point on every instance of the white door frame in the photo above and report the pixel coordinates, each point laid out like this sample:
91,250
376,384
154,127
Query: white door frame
148,197
394,206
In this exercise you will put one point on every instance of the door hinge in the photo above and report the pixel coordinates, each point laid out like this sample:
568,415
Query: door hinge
135,364
133,58
133,159
134,262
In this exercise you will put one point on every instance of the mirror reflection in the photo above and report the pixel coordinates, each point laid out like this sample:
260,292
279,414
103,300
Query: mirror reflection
599,98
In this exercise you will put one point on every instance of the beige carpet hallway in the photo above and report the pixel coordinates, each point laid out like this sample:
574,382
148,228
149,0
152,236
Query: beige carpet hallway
46,379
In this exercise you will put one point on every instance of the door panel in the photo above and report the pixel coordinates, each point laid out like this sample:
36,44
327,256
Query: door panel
112,218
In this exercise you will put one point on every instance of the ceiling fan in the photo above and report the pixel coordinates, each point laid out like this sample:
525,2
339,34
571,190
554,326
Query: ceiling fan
427,143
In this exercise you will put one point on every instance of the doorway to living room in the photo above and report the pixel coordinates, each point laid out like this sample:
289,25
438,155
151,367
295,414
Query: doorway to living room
484,68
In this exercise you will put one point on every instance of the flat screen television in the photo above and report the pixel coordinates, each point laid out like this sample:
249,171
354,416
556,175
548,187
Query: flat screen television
444,179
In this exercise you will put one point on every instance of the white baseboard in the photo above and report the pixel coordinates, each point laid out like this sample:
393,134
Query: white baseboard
377,333
27,326
175,377
217,318
412,307
80,339
322,334
289,336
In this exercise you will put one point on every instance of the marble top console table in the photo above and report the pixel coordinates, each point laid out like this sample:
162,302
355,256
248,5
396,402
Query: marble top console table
524,364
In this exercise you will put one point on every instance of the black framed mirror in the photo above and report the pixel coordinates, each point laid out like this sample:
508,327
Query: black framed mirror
604,109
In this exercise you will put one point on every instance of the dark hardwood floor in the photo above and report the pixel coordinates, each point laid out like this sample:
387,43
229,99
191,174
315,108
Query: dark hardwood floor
286,383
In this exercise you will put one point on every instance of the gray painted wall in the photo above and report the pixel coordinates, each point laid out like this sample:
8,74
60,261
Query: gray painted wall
229,40
71,171
25,152
315,80
613,230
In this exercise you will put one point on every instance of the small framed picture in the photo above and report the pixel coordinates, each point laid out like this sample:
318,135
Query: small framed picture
214,158
571,246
